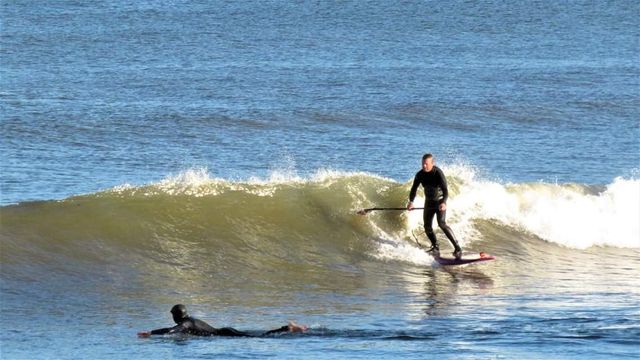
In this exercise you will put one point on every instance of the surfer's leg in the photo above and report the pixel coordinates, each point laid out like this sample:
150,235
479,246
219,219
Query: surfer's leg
428,215
442,223
279,330
291,327
228,331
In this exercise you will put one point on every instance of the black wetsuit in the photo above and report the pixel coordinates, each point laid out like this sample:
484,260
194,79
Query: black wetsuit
436,193
192,326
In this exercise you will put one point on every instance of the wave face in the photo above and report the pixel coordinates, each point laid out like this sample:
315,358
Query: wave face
191,217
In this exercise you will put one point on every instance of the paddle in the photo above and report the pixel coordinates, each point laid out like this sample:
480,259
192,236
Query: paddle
366,211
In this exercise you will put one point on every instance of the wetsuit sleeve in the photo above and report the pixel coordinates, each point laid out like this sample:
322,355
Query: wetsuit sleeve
171,330
443,186
414,188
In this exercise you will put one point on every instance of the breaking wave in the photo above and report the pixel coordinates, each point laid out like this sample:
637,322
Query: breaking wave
193,216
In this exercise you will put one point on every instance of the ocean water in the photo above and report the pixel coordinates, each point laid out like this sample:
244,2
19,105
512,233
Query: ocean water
216,153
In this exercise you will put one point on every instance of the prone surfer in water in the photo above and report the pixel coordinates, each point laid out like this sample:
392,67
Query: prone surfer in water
436,193
193,326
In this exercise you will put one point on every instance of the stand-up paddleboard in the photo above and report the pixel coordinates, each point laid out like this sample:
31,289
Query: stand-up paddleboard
465,259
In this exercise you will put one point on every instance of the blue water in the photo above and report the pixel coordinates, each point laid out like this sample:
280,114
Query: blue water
94,95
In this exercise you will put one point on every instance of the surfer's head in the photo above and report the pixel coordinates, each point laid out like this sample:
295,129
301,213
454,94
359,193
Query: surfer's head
427,162
179,312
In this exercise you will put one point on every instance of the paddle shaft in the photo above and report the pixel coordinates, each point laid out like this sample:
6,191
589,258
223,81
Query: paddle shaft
395,208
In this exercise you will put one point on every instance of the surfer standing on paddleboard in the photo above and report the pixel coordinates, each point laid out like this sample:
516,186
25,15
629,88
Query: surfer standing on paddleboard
436,193
193,326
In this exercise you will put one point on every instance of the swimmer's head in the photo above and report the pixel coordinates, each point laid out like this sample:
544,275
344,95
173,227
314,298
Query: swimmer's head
179,312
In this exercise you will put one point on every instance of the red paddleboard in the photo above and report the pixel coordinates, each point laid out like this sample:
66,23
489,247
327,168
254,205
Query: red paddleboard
466,259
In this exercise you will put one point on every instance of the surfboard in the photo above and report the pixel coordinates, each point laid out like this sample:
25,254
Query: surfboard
465,259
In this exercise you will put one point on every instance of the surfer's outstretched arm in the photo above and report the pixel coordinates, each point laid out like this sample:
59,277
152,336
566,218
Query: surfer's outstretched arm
171,330
154,332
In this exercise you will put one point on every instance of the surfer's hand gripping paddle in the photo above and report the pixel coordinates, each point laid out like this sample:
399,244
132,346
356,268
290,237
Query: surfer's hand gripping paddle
366,211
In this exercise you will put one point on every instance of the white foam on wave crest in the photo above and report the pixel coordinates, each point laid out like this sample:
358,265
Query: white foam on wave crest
199,182
195,182
570,215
